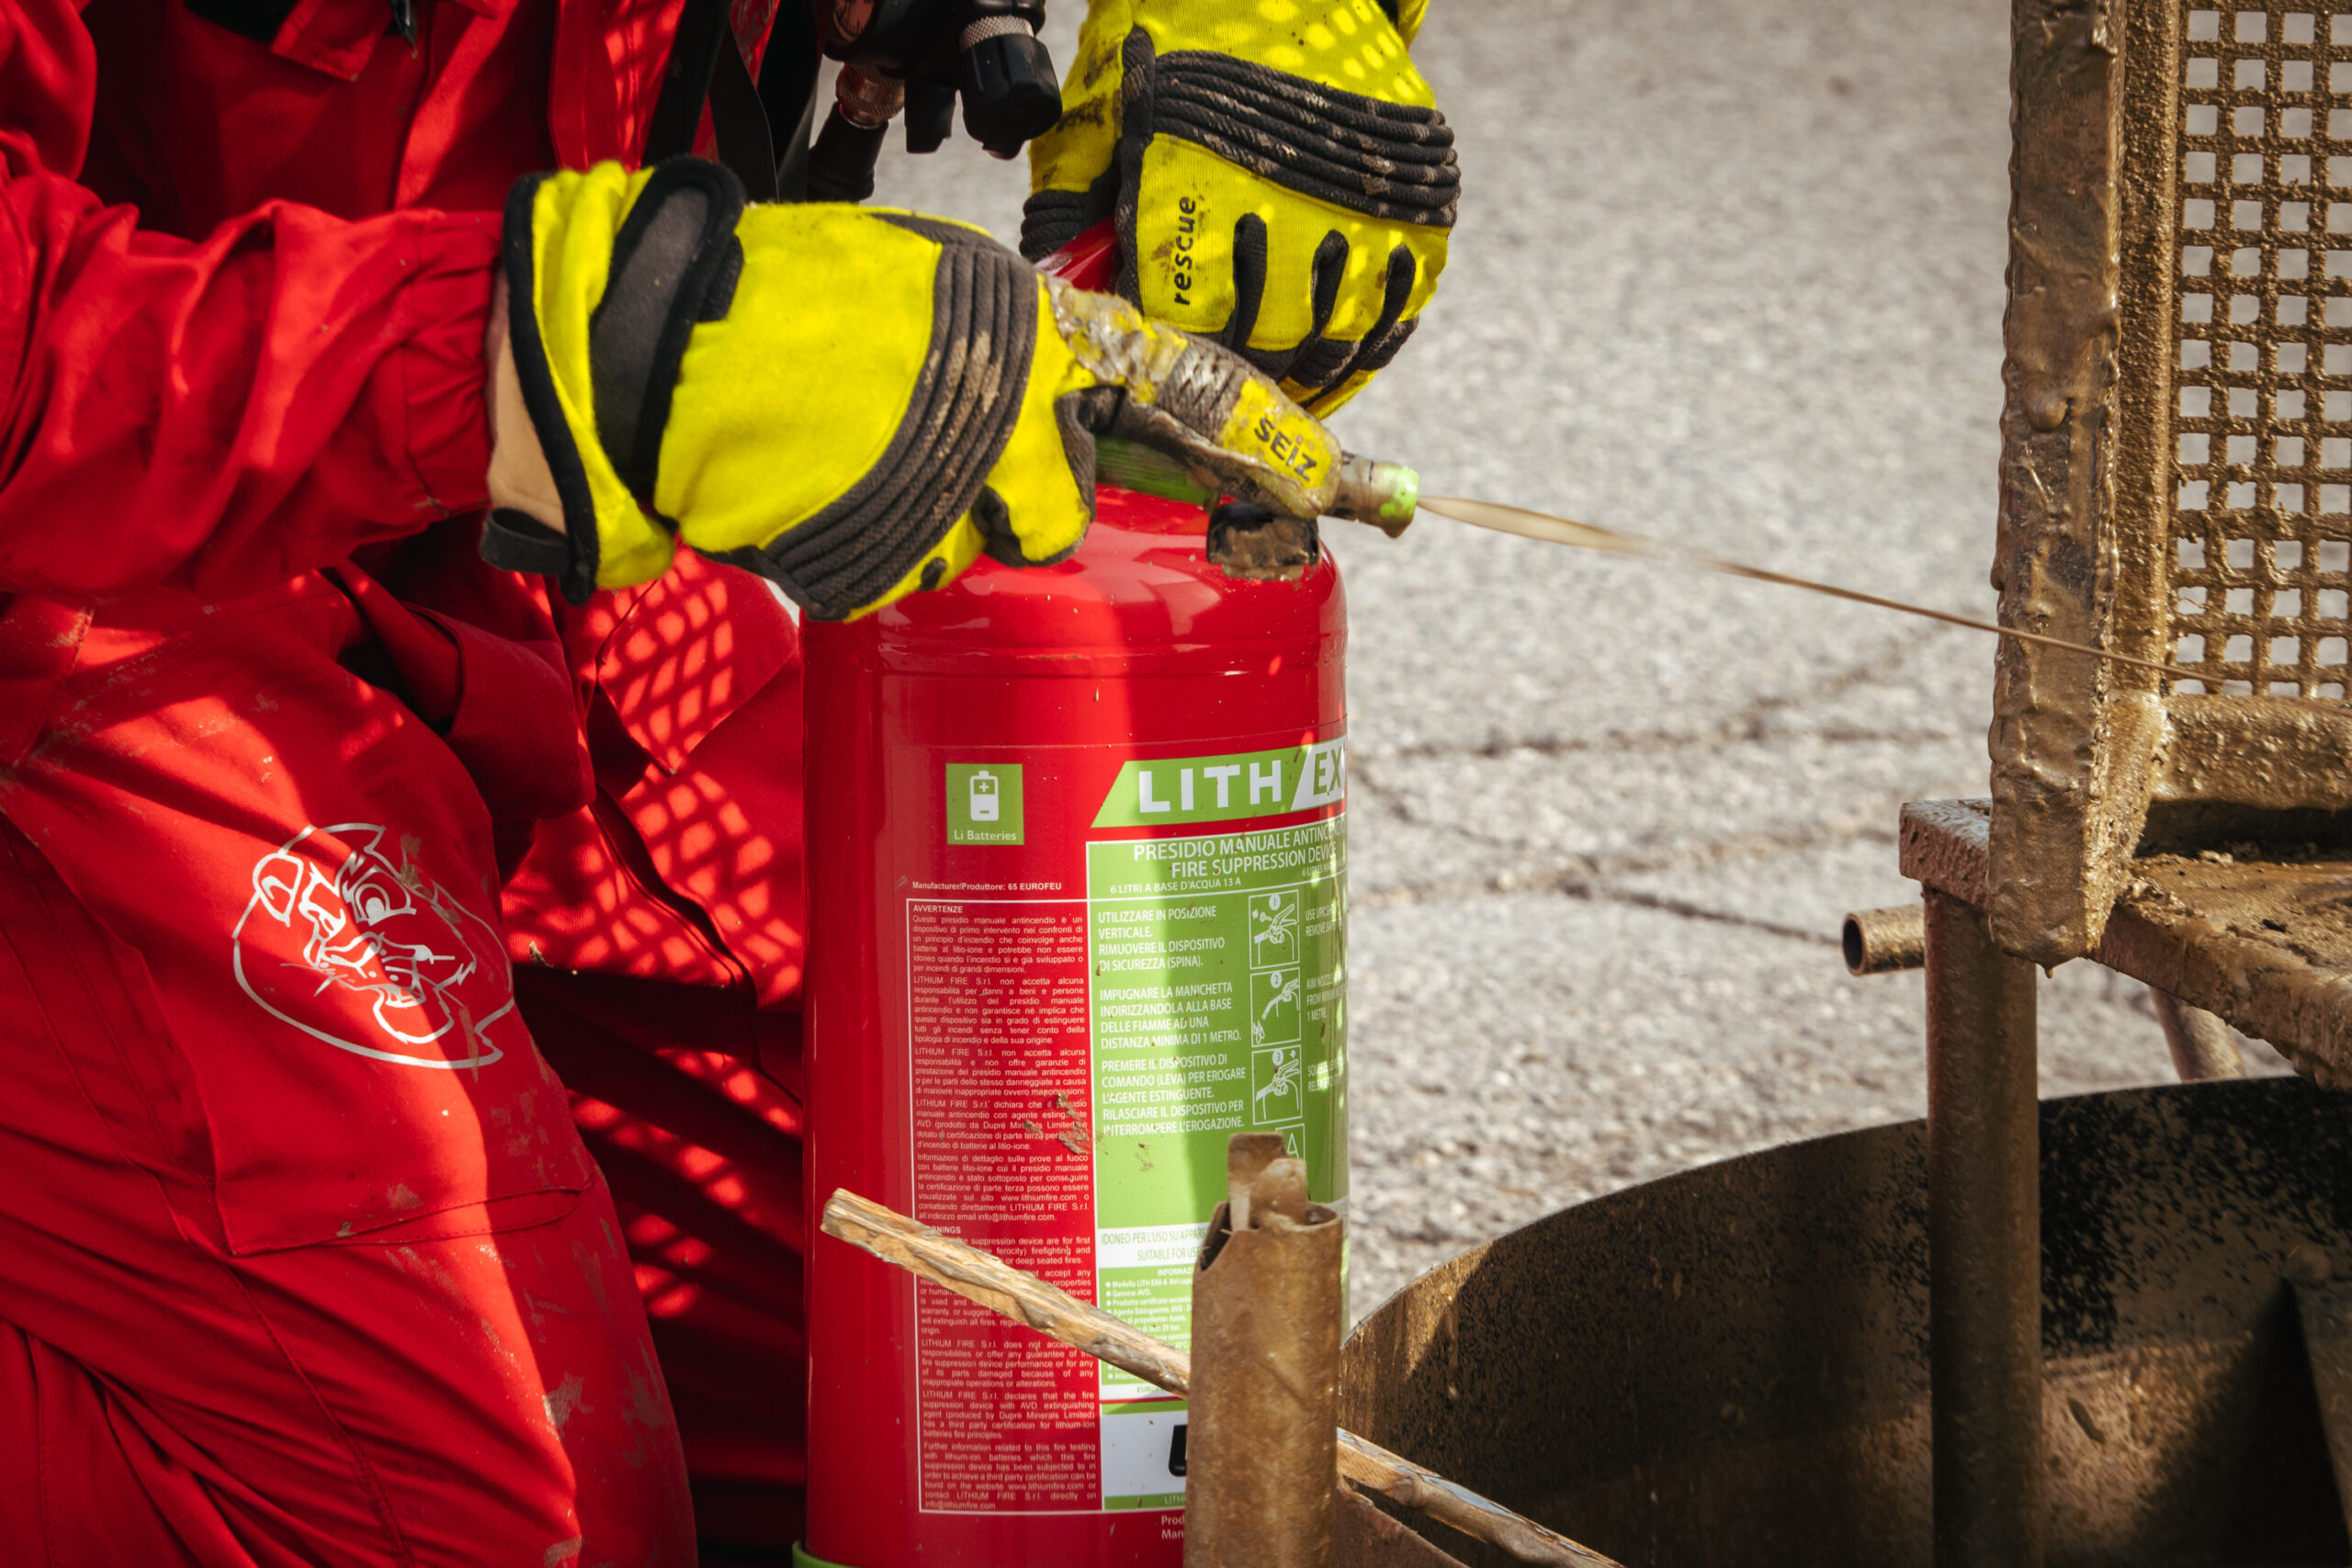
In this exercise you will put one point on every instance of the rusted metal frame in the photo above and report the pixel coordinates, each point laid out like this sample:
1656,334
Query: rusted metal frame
2255,102
2213,952
2202,1047
1983,1244
2105,537
1880,942
2281,982
2084,522
2269,753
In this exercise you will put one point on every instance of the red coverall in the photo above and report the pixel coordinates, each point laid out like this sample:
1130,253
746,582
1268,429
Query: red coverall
301,1258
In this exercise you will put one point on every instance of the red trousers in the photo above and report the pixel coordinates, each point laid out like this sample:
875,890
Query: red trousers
474,1387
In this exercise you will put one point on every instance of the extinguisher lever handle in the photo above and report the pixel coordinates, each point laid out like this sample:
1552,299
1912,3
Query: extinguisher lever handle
1383,494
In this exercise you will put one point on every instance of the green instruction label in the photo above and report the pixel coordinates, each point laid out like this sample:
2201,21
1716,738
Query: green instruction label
1219,972
984,803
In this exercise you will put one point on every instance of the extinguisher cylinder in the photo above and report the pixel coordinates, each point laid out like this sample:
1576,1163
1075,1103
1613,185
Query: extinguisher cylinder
1078,915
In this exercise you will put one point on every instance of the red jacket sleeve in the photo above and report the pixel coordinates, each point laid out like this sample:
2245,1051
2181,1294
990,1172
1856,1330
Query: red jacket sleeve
219,412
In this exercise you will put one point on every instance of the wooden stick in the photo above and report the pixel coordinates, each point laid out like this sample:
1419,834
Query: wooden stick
999,1287
1022,1296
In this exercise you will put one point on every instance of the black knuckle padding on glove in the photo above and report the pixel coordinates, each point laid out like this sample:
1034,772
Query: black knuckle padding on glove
1393,162
1319,361
1387,161
696,378
1052,219
984,328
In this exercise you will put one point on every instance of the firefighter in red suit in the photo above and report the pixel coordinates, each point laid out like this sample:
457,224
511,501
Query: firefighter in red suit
303,1259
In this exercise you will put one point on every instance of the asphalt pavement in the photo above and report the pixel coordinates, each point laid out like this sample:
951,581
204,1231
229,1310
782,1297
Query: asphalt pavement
1730,272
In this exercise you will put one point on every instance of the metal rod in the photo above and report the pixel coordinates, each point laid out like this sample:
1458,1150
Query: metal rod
1881,942
2202,1045
1025,1298
1983,1244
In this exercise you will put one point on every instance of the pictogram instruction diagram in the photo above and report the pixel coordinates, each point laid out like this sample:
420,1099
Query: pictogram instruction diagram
1217,968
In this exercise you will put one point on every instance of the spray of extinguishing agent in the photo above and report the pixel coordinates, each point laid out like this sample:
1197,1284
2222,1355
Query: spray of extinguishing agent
1079,900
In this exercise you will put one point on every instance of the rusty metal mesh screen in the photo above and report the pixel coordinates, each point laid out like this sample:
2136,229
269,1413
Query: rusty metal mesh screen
2262,378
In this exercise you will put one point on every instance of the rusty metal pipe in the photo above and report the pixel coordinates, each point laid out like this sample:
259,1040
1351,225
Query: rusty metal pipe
1983,1244
1881,942
2202,1045
1264,1416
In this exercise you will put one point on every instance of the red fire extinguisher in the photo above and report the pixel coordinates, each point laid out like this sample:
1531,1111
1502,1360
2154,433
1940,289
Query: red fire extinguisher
1079,913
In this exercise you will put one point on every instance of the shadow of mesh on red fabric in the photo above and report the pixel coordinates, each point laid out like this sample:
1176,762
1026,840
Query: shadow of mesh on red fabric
702,1151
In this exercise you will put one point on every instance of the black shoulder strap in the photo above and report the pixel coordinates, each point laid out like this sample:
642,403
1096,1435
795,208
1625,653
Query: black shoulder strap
788,87
706,66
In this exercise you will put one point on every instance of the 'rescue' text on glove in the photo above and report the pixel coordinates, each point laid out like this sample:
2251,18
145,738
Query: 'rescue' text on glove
854,404
1280,175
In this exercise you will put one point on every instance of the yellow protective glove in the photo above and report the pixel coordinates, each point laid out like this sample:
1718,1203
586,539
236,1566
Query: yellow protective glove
1279,173
855,404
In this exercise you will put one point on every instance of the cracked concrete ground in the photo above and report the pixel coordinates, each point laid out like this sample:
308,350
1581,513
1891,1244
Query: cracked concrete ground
1728,271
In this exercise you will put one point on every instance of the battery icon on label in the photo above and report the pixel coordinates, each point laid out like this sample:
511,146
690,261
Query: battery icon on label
983,797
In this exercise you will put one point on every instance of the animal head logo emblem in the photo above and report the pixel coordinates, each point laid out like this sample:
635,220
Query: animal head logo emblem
371,955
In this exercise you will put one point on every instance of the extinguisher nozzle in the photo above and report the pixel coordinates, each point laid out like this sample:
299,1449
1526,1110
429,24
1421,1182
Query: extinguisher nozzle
1383,494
